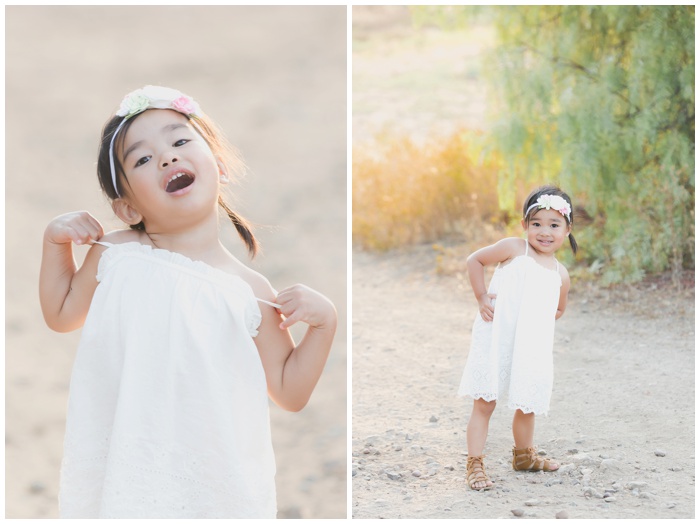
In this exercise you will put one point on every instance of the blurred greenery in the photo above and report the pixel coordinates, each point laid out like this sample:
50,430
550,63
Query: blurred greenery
600,100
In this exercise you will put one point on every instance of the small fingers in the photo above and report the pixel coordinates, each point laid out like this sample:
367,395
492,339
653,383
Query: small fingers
96,231
283,298
487,313
288,294
488,310
85,229
286,308
79,234
289,321
302,304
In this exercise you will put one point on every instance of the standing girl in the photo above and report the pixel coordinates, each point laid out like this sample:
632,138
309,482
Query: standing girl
513,335
182,343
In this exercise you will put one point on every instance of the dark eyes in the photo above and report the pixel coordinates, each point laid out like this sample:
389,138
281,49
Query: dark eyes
537,224
144,159
141,161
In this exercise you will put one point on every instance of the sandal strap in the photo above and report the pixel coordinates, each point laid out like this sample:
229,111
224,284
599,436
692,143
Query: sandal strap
475,471
526,459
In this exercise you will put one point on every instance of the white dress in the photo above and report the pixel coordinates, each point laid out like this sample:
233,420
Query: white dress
512,355
168,410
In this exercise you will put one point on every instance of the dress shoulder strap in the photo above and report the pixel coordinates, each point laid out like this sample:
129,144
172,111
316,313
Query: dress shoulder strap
105,244
276,306
527,244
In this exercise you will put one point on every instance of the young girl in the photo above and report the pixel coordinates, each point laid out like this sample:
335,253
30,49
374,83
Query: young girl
512,338
181,343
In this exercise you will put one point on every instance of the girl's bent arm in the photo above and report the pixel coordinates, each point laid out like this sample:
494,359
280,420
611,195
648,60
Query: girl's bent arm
292,372
563,293
65,291
499,252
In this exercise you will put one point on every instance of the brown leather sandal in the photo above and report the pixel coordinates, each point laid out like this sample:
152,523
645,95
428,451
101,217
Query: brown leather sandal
476,473
527,459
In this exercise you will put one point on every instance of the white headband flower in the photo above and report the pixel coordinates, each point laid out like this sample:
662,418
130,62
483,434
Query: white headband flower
552,202
150,97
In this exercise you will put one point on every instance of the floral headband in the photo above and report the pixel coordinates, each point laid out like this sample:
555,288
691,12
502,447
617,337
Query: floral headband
150,97
552,202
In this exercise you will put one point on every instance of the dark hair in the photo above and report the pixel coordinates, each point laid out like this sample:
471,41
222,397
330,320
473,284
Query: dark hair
213,136
550,190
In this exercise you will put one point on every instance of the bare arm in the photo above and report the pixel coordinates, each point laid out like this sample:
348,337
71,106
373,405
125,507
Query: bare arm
563,293
293,372
65,291
501,251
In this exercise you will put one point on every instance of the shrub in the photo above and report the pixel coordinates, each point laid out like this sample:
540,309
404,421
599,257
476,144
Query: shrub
405,193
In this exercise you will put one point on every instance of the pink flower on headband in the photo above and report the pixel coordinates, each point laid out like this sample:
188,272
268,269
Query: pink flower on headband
184,105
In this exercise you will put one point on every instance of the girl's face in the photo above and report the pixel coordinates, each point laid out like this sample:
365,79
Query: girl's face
172,175
546,231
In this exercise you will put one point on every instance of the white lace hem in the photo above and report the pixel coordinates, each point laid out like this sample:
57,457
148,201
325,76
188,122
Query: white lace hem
490,397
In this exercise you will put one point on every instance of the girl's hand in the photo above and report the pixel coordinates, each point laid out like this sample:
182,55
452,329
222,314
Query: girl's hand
292,370
486,308
79,227
65,291
302,304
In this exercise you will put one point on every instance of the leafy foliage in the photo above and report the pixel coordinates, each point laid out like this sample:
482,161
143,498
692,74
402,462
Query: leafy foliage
601,100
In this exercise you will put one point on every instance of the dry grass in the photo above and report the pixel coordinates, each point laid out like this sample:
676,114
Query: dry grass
406,193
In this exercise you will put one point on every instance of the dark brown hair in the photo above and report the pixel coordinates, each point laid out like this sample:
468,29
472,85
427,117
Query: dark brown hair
218,144
550,190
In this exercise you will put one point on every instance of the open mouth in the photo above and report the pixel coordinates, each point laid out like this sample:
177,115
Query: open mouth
179,181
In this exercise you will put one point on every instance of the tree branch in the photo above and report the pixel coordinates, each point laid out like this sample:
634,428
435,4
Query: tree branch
567,62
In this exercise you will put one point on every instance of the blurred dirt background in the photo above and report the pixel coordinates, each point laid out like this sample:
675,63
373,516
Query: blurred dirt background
274,78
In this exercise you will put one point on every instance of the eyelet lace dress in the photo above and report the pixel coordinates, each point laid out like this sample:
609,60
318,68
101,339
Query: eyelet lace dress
168,409
512,355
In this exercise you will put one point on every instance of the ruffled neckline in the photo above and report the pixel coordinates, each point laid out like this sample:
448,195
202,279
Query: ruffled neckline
170,257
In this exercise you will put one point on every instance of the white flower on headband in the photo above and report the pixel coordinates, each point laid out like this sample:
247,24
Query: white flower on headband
133,104
552,202
156,97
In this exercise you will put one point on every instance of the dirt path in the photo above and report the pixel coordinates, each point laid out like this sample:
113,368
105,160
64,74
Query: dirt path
621,422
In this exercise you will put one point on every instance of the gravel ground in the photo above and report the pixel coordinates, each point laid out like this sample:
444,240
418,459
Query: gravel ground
621,423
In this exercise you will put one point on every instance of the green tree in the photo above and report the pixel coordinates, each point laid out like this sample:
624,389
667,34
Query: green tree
600,99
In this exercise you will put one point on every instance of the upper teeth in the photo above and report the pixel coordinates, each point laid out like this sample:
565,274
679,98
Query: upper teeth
176,175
